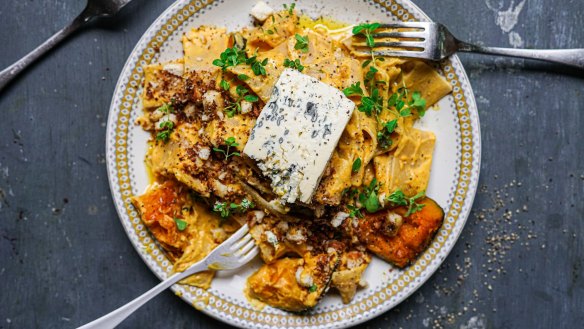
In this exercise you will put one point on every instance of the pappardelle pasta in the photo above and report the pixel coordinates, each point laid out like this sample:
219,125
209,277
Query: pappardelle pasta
284,126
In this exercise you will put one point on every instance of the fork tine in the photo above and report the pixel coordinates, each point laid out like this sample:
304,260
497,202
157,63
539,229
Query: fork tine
397,25
401,44
243,241
250,255
408,34
395,44
405,53
392,53
245,249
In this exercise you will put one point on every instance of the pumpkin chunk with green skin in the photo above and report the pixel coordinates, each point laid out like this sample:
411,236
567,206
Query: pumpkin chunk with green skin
404,245
293,284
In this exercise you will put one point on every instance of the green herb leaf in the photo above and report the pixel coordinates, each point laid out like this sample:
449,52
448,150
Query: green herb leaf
222,209
257,67
230,57
354,89
246,204
367,30
418,103
166,108
163,135
372,203
371,104
398,198
301,43
405,112
354,212
293,64
243,94
313,288
365,63
241,90
181,225
243,77
415,207
390,126
369,197
251,98
229,142
224,84
356,165
166,126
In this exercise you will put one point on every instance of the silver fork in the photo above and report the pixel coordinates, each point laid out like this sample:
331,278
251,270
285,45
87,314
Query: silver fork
233,253
93,9
433,41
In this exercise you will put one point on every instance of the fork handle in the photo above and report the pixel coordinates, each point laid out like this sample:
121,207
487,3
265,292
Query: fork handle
112,319
570,57
13,70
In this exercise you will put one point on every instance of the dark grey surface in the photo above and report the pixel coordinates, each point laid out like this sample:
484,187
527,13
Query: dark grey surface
65,259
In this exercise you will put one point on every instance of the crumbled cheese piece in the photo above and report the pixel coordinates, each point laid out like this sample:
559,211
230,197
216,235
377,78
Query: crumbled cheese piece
259,215
394,218
382,200
297,132
304,280
296,235
204,153
222,175
271,238
393,223
282,226
246,107
211,100
352,263
169,117
219,234
339,218
261,11
174,68
190,110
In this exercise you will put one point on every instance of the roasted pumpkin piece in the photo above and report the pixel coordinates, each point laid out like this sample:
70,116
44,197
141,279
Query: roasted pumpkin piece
158,208
293,284
347,277
399,239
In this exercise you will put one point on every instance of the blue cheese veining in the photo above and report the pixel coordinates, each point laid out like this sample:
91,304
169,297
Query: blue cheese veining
297,132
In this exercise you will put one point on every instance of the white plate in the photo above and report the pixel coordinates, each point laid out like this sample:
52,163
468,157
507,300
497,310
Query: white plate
455,169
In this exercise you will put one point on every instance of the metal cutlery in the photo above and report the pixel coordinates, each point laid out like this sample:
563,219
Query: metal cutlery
434,42
93,9
233,253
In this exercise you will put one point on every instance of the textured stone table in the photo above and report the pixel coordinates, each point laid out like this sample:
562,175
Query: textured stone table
64,257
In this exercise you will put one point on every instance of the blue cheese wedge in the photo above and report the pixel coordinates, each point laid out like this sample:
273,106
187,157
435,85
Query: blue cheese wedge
297,132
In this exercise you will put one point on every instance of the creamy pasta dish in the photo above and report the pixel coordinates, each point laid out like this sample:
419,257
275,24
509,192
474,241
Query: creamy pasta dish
285,126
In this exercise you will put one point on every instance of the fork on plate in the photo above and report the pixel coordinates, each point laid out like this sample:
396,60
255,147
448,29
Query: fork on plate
434,42
236,251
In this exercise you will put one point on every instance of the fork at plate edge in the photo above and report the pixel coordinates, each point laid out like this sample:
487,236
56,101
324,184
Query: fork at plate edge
433,41
236,251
